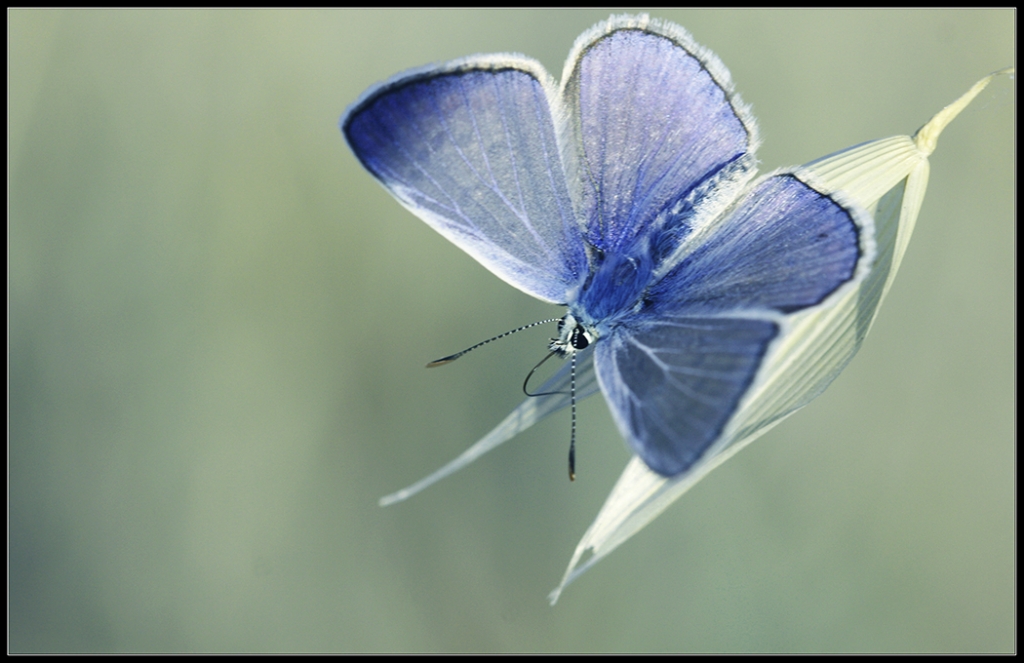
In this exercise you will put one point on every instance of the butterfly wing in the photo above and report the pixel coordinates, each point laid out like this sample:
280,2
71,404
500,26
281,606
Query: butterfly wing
470,148
784,246
675,372
673,382
653,125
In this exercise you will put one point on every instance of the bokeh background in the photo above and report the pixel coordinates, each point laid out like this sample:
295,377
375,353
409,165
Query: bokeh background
218,325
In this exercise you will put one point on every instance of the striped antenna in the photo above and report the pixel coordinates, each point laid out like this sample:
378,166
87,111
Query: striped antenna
450,358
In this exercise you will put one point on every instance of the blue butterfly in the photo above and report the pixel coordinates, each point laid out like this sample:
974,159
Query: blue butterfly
627,194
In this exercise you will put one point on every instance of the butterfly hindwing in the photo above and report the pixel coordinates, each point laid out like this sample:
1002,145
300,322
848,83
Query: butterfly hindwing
470,148
675,371
673,382
783,247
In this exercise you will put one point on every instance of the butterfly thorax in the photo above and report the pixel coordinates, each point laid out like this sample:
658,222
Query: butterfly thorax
614,289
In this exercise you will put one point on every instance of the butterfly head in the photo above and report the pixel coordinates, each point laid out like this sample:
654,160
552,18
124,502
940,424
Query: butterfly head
572,337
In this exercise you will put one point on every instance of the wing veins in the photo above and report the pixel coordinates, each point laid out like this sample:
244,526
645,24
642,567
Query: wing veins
685,389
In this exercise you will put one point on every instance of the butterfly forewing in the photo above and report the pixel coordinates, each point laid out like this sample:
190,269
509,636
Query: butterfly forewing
653,120
470,149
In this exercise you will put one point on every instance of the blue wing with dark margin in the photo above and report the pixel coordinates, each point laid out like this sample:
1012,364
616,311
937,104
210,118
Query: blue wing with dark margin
470,148
675,372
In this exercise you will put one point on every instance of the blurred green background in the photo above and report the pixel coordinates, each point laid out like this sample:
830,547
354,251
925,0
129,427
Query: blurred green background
218,325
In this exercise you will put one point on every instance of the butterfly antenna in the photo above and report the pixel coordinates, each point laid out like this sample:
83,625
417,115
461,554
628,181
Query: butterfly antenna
572,401
530,375
572,435
450,358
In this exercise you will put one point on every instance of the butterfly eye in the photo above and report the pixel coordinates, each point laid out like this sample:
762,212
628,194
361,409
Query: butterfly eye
579,338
